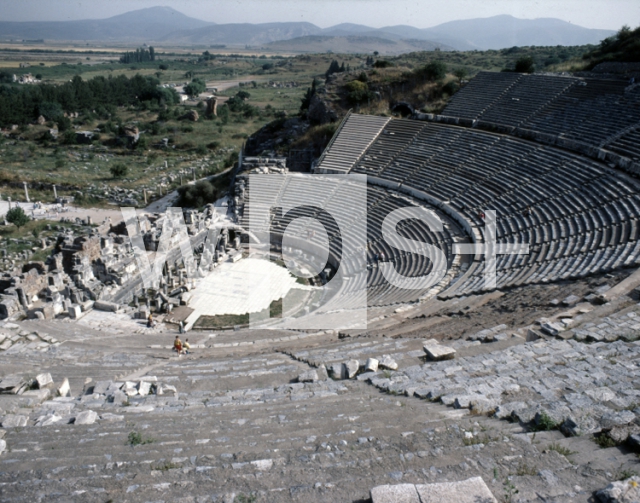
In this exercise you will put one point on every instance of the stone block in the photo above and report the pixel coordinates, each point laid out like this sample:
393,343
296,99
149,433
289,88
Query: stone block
338,371
624,491
351,368
3,446
143,388
552,329
614,419
483,405
86,417
14,421
400,493
64,389
602,394
101,387
388,363
87,305
473,490
371,365
48,420
571,300
103,305
11,384
579,426
119,397
436,352
634,442
308,376
44,380
37,395
131,391
75,311
108,416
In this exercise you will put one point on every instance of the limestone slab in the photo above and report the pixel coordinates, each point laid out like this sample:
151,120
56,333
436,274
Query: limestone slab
64,389
351,368
399,493
86,417
371,365
14,421
472,490
438,352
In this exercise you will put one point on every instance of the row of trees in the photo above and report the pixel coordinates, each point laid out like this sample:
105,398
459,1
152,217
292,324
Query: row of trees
140,55
24,104
335,67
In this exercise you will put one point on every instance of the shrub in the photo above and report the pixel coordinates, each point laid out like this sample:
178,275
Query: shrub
68,137
163,66
545,423
357,92
436,70
17,217
197,195
381,63
525,65
450,88
135,438
118,170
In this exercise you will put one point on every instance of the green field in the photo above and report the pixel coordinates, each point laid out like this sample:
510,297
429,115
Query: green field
208,145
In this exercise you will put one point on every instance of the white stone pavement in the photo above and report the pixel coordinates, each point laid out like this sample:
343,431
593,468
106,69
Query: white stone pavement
56,212
247,286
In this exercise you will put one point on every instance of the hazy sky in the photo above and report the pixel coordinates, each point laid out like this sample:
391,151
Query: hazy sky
609,14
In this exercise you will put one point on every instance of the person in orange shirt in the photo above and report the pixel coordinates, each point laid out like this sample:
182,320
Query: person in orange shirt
177,345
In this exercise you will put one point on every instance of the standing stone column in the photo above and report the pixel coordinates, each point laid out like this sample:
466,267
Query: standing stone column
26,191
194,173
144,191
212,106
9,200
55,193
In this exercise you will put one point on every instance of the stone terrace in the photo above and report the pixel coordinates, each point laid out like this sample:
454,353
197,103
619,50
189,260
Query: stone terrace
231,419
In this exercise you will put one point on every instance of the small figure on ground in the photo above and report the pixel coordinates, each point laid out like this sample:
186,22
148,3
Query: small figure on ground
177,345
150,321
186,346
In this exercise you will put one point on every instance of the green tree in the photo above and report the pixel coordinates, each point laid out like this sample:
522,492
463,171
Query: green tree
306,100
195,87
460,74
17,217
357,92
524,64
197,195
436,70
118,170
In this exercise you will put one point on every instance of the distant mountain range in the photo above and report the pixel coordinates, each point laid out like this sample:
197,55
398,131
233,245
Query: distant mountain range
166,26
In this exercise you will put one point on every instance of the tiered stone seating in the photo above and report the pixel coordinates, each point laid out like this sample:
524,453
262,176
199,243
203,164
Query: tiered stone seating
524,99
380,203
357,132
577,215
480,93
591,111
627,145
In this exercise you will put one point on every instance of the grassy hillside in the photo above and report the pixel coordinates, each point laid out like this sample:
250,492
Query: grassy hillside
624,46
